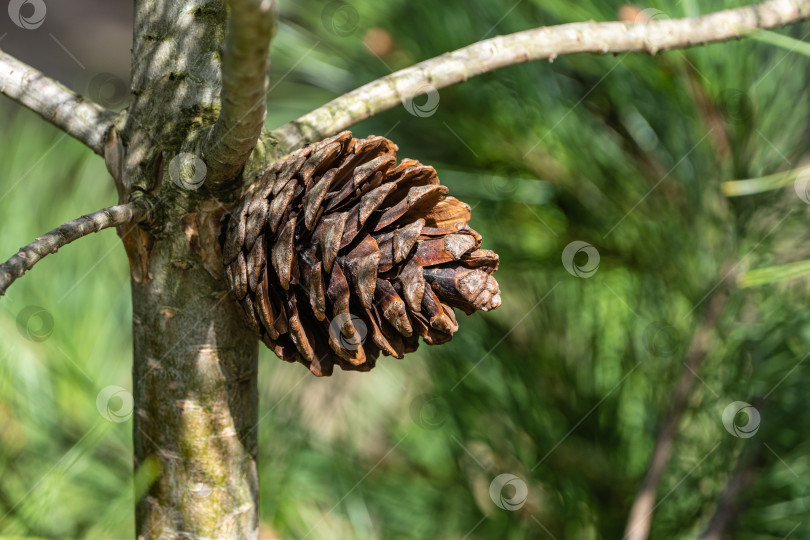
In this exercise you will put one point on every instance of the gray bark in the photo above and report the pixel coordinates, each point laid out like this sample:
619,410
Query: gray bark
196,401
195,362
251,26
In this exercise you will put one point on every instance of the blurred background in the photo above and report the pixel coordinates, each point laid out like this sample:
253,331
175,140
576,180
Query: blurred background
678,303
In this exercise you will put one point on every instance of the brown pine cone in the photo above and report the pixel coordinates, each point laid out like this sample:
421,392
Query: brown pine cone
336,243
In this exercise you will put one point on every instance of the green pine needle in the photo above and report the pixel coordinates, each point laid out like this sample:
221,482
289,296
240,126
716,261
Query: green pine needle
774,274
753,186
783,41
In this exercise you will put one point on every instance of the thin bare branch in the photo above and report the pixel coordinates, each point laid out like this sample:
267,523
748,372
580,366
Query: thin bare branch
545,43
245,63
731,503
640,518
77,116
50,242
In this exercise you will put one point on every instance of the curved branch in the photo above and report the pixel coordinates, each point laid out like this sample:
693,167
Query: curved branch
50,242
545,43
245,63
77,116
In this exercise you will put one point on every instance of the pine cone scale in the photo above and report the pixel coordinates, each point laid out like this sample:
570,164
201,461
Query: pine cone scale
404,239
239,276
418,198
328,236
279,204
257,215
360,266
393,307
283,254
314,198
255,263
267,314
319,160
287,172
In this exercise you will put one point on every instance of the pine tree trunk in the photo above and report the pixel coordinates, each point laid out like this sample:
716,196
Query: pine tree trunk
196,402
195,362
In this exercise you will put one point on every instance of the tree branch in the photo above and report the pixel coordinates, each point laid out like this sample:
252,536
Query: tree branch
245,63
640,517
50,242
545,43
77,116
730,504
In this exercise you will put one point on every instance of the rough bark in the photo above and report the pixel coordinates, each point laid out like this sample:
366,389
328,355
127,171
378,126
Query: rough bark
195,362
245,63
196,401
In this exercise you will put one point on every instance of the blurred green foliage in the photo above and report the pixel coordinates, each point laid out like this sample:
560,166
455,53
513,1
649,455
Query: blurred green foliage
565,386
